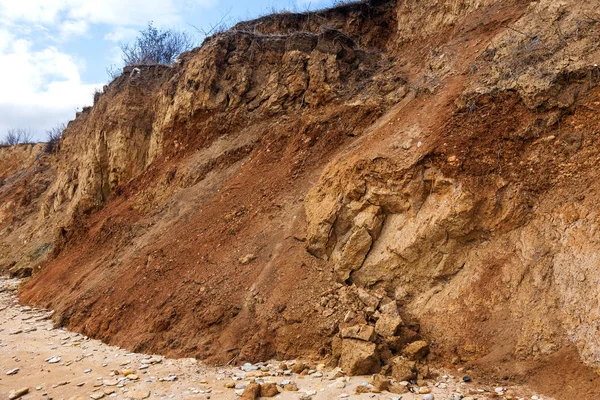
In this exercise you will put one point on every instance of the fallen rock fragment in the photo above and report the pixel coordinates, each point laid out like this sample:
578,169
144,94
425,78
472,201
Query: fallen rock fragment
12,371
247,259
15,394
268,390
360,332
416,350
290,387
298,368
251,392
359,357
402,369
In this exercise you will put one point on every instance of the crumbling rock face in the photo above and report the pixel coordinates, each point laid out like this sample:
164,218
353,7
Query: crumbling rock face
389,183
421,217
234,78
456,228
108,144
26,171
549,59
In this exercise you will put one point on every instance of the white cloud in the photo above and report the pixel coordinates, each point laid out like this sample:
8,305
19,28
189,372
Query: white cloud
72,28
110,12
39,88
120,34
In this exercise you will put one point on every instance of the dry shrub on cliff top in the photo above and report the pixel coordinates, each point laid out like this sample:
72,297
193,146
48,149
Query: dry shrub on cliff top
53,136
17,136
156,46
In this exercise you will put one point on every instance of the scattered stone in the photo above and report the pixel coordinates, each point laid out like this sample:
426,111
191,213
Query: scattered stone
251,392
361,332
298,368
138,394
249,367
133,377
424,390
12,371
53,360
428,397
247,259
361,389
359,357
15,394
416,350
466,379
268,390
290,387
398,389
97,396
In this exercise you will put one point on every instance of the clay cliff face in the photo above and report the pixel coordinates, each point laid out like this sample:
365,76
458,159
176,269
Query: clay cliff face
362,177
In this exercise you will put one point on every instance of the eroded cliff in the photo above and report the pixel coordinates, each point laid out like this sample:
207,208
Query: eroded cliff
366,176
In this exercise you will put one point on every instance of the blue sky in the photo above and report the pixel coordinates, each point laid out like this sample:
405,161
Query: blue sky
54,53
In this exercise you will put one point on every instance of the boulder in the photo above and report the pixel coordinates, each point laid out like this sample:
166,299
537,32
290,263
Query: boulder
388,325
251,392
298,368
416,350
402,369
268,390
360,332
359,357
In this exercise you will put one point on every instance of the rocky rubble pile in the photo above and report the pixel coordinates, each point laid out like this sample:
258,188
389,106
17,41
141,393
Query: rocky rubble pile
373,337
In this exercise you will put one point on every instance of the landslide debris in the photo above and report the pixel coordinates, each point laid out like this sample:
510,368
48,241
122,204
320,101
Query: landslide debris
384,184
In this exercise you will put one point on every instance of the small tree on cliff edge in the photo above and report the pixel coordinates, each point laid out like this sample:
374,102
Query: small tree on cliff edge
156,46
